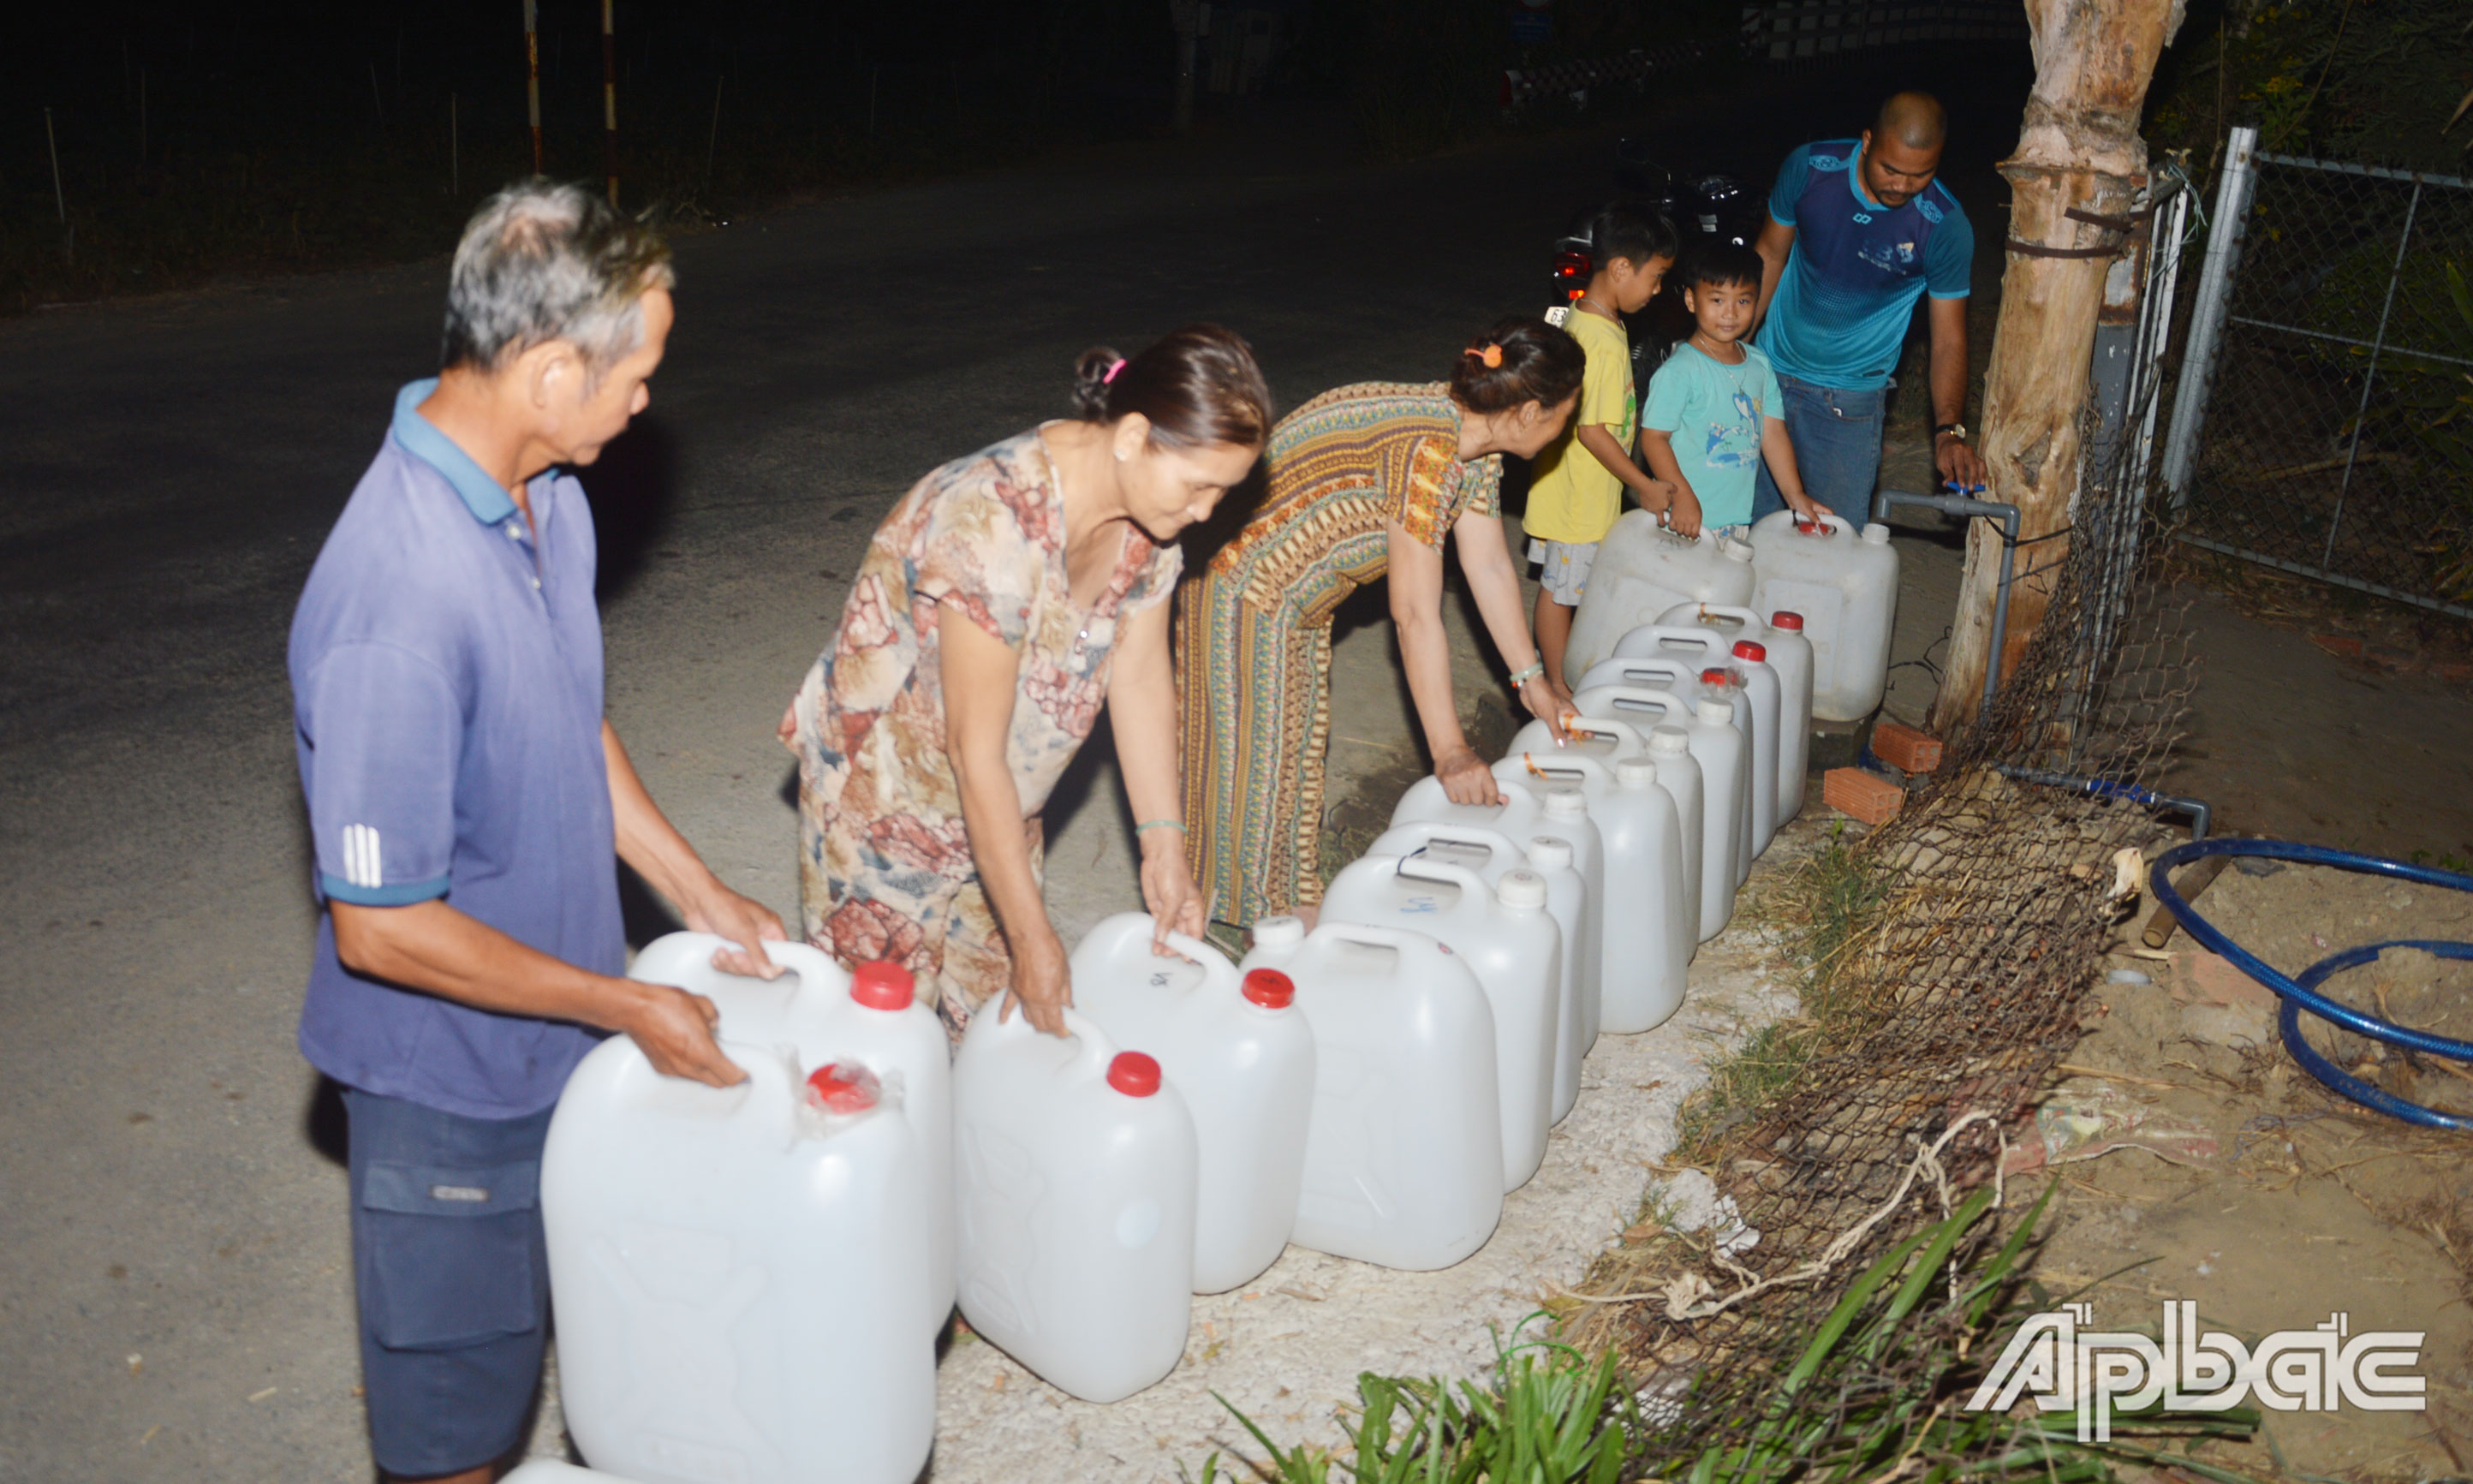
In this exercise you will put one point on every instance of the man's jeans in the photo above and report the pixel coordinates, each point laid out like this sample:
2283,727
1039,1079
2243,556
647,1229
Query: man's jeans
1837,436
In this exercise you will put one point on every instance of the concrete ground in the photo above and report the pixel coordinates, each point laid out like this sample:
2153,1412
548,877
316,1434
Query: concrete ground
175,1298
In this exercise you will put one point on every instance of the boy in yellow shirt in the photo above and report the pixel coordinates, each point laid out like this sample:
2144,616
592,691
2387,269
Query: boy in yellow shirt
1577,486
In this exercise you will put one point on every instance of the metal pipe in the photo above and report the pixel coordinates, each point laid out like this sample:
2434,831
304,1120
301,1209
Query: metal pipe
2321,574
2369,379
2201,815
2377,171
2233,195
2008,515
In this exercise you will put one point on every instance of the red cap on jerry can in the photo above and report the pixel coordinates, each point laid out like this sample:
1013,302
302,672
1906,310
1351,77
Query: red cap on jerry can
1751,649
843,1088
879,984
1787,619
1134,1074
1270,988
1713,676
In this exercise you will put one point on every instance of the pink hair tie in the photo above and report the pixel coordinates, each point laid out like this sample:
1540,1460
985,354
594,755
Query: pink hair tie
1111,375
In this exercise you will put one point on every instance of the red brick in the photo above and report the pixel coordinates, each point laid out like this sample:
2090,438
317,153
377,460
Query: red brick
2454,672
1866,797
1904,748
2343,646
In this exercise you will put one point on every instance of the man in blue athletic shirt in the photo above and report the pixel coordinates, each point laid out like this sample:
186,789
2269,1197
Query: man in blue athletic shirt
470,808
1858,230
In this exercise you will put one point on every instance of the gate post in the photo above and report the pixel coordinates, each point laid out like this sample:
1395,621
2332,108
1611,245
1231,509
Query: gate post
2233,193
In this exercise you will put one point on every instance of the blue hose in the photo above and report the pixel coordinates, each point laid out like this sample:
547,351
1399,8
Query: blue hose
2301,992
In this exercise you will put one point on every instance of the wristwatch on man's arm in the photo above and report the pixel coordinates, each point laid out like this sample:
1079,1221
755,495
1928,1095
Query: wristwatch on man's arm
1956,430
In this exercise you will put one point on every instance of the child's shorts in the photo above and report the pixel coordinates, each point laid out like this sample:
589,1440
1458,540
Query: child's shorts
1564,568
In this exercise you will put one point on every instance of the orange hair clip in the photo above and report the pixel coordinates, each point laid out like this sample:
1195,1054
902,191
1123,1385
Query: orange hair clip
1491,357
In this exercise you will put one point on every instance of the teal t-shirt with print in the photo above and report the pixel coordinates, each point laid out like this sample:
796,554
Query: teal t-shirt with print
1712,413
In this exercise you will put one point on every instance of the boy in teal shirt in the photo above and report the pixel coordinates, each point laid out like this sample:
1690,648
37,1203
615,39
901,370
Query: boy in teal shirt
1715,411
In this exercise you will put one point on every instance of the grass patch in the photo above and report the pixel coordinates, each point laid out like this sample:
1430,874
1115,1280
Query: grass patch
1877,1391
1828,905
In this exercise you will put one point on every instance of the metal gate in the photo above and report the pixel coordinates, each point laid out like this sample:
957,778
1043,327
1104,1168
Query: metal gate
2325,418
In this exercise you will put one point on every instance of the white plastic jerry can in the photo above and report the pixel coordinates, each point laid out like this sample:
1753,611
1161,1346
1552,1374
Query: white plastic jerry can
1725,690
1641,659
1750,682
1522,816
1721,676
1403,1155
1504,934
1649,933
1715,743
740,1271
1490,853
1845,585
1239,1052
1791,655
823,1013
1608,742
1787,653
1075,1201
554,1470
1641,570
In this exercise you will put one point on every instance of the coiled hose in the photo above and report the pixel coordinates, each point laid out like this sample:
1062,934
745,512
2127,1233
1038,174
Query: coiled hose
2300,992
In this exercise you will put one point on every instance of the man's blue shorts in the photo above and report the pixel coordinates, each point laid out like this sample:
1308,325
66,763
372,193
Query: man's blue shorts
453,1279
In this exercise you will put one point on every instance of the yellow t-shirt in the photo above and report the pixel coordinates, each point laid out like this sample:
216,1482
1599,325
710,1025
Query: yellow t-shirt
1572,496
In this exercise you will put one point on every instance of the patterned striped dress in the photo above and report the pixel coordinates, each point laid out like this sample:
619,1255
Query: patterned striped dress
1254,627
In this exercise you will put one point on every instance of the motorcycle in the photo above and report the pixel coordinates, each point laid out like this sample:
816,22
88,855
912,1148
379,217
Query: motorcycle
1704,206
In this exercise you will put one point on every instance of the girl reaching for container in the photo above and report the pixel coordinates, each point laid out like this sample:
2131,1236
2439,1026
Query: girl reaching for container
1364,480
1007,598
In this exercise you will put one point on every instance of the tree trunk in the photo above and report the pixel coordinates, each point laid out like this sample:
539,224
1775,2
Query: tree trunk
2079,149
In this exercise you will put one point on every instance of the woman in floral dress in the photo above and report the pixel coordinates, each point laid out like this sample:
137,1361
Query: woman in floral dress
1365,481
1007,598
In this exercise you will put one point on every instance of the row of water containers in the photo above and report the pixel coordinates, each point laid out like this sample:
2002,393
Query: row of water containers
751,1282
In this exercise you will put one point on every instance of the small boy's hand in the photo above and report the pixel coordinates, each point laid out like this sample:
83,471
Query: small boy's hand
1807,510
1683,514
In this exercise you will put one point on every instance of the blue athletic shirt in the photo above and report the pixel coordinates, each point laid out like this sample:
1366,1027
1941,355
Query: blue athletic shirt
1839,315
446,696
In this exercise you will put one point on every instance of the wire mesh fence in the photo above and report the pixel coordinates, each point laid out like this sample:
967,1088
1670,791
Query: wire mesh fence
1934,1015
2337,431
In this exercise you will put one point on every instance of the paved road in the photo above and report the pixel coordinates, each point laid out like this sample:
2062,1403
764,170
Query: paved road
174,1293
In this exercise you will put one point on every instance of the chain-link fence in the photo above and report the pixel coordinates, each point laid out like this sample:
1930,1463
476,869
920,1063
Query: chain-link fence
2328,426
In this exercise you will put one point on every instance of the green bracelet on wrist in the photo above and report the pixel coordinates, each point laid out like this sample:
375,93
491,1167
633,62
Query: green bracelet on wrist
1523,676
1150,824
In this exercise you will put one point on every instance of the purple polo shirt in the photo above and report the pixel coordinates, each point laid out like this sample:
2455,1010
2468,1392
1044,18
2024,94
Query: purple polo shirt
446,704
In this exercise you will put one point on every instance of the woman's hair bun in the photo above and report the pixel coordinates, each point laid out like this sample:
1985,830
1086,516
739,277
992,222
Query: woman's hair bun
1518,359
1091,382
1196,386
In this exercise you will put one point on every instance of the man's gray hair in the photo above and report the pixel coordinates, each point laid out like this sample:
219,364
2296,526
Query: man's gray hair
541,262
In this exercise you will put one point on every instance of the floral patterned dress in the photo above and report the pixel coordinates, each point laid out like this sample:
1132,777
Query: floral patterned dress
885,869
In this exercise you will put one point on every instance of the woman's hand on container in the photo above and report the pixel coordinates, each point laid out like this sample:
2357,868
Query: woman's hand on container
1168,889
1550,703
674,1029
1465,777
1042,981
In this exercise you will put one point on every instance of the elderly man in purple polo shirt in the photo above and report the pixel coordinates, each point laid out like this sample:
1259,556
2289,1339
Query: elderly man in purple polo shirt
469,806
